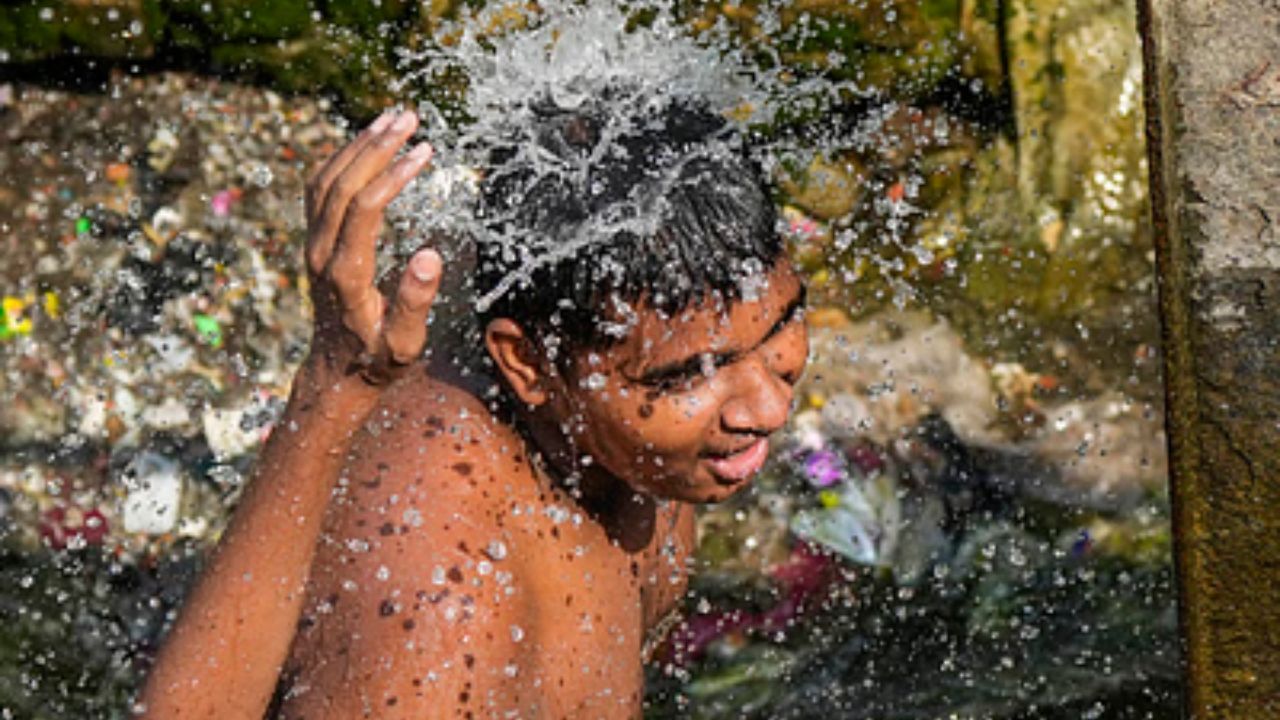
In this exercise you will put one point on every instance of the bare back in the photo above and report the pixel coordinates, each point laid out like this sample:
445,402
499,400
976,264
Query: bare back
452,580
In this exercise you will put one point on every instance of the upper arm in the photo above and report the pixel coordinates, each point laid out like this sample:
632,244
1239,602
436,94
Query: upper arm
428,636
416,616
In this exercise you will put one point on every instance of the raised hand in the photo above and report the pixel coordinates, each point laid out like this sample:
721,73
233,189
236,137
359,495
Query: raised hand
359,331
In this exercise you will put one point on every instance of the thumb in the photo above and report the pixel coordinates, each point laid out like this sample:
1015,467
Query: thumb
406,333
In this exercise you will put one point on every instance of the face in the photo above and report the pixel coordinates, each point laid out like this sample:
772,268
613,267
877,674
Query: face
683,407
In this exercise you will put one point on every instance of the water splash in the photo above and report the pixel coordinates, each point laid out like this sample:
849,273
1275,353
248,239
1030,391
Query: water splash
495,74
621,65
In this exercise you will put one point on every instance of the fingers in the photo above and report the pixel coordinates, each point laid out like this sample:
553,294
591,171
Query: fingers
365,161
406,333
320,180
353,265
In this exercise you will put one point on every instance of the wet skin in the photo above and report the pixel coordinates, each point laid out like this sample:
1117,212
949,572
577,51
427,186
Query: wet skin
447,534
672,408
402,552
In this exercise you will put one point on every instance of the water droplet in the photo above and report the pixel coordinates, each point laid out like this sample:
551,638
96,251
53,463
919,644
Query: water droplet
496,550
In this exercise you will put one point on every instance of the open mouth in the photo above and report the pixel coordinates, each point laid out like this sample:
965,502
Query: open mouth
739,466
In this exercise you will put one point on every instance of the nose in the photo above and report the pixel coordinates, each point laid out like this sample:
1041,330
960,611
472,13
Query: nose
760,404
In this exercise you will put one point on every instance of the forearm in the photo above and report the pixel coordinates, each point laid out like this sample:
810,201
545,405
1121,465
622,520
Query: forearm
224,653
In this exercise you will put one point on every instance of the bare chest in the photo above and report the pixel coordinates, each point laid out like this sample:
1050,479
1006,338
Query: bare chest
597,607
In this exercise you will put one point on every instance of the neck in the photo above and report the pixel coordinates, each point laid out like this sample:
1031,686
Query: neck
626,516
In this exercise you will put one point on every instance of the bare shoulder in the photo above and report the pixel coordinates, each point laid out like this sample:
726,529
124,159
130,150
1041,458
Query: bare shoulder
414,609
430,449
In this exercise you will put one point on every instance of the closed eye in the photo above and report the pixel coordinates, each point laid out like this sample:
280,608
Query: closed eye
691,369
672,375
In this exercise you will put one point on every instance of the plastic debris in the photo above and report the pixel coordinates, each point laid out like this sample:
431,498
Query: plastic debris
209,330
13,318
52,305
236,431
117,311
223,201
117,173
62,527
153,485
823,468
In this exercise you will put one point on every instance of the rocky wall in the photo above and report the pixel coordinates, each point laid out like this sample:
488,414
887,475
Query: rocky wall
1214,98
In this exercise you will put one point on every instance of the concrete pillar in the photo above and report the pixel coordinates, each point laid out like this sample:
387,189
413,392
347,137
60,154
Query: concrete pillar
1213,108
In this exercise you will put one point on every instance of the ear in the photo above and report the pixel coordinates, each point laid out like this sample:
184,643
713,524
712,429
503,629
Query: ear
515,357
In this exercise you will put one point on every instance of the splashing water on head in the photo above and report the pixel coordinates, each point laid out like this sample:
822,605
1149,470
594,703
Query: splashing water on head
578,72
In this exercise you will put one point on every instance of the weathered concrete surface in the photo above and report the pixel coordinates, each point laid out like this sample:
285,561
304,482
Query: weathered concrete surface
1213,95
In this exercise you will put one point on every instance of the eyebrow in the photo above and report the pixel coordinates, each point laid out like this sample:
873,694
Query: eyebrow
692,364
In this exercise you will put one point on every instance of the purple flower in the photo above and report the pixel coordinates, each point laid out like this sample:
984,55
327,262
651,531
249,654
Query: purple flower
823,468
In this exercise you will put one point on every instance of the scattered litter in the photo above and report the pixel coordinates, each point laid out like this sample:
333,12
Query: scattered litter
223,201
153,486
13,318
138,257
208,329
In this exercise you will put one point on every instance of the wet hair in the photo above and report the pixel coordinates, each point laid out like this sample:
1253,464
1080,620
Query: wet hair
591,215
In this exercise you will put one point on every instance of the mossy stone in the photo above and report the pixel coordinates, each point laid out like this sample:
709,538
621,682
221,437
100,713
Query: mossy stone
243,20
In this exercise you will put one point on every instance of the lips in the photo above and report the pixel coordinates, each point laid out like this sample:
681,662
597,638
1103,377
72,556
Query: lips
741,465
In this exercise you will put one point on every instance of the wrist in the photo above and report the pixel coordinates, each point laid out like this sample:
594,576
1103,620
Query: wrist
323,393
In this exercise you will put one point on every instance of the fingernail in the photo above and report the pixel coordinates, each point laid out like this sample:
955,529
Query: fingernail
422,268
381,123
421,153
403,121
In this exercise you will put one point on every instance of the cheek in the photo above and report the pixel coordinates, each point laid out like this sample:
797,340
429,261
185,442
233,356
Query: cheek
803,350
676,406
648,423
792,355
677,421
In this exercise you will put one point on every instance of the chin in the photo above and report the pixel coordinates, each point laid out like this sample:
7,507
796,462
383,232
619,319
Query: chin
713,492
702,488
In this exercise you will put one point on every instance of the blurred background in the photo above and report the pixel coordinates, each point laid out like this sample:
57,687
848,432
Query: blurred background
967,517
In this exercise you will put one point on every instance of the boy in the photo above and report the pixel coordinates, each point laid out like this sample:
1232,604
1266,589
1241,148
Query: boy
410,550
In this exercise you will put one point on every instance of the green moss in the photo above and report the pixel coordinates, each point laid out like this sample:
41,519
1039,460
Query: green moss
941,10
367,15
357,70
245,20
126,30
95,33
25,36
